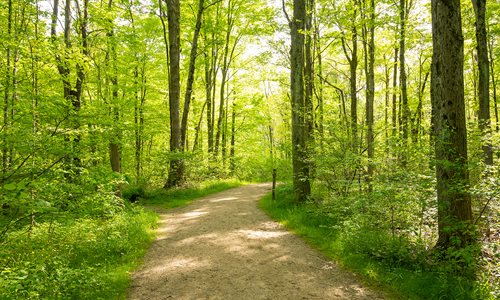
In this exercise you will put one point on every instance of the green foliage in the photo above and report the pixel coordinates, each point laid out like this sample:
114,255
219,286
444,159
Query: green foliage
404,265
84,258
181,196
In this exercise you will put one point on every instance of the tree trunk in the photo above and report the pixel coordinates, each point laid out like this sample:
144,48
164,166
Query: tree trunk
208,95
494,84
114,144
447,94
403,81
370,88
395,94
190,80
6,102
301,184
176,171
232,162
196,143
484,79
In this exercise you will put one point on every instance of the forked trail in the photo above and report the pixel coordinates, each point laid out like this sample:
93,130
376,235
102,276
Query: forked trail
223,247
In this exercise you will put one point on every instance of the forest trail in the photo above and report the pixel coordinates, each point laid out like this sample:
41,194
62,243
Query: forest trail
224,247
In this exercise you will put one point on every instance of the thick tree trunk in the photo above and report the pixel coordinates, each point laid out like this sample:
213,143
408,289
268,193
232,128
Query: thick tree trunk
447,94
484,78
176,171
301,184
190,80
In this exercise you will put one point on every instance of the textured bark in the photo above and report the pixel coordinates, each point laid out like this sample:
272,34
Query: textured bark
301,184
114,144
176,171
190,80
309,70
369,42
447,94
484,78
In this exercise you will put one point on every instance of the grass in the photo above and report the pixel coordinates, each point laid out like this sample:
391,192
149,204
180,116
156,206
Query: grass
168,199
84,258
90,255
383,262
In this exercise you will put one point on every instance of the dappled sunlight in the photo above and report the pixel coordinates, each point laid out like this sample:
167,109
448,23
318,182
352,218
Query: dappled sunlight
259,234
232,250
223,199
180,264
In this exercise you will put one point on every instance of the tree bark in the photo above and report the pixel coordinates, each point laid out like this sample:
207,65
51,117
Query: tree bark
370,89
395,94
484,79
447,94
176,171
190,80
301,184
403,81
114,144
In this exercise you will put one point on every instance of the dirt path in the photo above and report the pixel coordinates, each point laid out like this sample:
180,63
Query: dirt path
224,247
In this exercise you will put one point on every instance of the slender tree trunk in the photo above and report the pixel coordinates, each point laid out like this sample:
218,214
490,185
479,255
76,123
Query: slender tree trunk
484,79
208,95
301,184
386,108
114,144
447,94
494,84
370,89
176,171
190,80
403,81
309,70
196,143
395,94
6,102
232,161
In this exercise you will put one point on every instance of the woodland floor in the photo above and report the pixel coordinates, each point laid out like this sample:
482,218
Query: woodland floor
224,247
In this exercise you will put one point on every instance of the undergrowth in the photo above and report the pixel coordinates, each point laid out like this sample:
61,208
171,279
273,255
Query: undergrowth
84,258
180,196
89,249
403,268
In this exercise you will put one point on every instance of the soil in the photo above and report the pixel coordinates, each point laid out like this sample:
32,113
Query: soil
224,247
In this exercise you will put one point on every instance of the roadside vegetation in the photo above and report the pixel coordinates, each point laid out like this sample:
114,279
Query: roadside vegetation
361,240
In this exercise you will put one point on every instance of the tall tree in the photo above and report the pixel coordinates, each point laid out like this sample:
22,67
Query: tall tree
190,79
447,95
176,171
301,183
369,47
484,78
404,9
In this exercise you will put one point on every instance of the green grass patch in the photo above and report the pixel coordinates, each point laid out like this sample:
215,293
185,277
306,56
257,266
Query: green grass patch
84,258
89,254
391,264
167,199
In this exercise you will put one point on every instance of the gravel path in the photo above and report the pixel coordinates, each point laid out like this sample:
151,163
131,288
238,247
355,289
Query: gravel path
223,247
